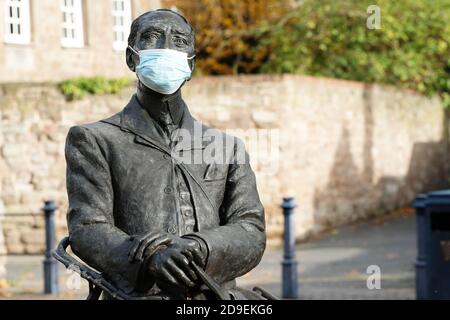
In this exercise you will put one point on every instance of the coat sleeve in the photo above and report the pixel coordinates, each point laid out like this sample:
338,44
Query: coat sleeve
237,246
92,233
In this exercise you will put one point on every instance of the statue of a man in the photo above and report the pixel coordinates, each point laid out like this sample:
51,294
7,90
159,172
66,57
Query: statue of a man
146,203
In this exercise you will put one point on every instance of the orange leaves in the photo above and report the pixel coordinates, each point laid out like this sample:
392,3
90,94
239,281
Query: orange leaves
229,32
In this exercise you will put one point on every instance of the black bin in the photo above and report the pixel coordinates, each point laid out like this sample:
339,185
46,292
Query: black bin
433,236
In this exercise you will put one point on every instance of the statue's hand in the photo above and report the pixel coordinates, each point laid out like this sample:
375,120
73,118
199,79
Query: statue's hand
171,271
145,245
168,258
191,249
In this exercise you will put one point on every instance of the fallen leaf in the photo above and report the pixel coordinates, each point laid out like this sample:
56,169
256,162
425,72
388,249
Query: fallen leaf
391,255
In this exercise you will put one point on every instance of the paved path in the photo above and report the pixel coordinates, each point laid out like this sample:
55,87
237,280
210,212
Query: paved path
333,267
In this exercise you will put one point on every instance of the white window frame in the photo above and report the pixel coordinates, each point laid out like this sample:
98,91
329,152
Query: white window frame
121,23
17,16
72,24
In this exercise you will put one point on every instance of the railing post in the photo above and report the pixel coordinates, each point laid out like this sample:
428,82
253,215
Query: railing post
50,264
422,291
290,285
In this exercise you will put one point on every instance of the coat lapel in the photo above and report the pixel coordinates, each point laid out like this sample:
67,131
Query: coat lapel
135,119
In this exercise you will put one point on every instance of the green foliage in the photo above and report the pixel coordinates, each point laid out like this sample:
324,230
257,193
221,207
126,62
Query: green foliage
326,38
75,89
329,38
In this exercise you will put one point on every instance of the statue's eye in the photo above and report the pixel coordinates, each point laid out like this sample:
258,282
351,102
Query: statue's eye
150,36
179,41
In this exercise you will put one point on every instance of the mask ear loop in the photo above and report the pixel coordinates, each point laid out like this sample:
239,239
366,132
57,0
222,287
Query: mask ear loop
190,58
132,49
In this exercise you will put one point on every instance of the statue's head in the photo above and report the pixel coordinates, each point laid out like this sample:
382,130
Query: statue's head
160,29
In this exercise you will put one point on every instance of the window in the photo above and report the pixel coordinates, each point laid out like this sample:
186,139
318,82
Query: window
121,23
72,24
17,21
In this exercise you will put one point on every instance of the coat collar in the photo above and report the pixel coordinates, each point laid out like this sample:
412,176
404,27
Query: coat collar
136,119
165,110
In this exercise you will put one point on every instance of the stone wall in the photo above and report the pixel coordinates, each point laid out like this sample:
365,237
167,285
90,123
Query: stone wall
345,150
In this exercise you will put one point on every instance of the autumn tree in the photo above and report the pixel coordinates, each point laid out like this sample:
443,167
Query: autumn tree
229,33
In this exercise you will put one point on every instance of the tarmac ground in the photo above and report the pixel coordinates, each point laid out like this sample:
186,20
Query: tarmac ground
339,265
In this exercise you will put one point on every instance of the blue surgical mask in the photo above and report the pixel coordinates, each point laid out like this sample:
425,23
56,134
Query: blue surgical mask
163,70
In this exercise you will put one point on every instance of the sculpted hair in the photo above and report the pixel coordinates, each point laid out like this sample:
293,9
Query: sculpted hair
136,25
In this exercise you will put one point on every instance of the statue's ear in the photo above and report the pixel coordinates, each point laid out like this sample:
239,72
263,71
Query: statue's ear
131,60
192,66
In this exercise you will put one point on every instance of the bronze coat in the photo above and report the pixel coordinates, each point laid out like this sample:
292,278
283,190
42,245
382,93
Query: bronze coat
117,173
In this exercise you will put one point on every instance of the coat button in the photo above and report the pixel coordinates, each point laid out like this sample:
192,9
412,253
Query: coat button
168,190
189,228
187,212
185,195
172,230
167,157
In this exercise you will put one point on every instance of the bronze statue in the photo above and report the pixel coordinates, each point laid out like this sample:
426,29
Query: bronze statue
143,209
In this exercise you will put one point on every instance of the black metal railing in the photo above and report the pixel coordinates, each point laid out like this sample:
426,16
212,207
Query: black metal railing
49,264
